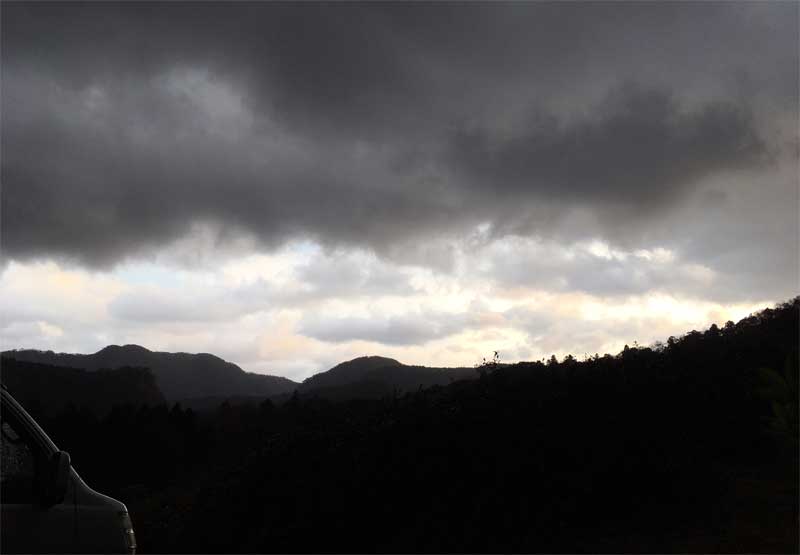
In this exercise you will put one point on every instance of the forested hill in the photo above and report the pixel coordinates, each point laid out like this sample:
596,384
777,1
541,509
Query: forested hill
45,388
348,372
686,447
203,381
374,376
178,375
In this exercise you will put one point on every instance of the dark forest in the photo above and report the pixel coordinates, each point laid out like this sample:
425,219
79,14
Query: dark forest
686,446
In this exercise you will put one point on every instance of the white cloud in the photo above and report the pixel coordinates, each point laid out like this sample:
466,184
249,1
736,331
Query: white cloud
303,309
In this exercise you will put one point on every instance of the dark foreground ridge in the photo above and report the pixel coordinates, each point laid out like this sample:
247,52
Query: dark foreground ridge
43,387
690,446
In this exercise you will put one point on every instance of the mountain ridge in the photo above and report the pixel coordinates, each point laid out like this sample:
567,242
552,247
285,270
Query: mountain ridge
178,375
202,377
376,376
347,371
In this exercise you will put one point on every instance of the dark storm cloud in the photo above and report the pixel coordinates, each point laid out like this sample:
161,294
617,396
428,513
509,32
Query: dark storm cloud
379,125
639,150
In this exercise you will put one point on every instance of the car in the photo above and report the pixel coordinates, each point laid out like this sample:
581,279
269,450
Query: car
45,506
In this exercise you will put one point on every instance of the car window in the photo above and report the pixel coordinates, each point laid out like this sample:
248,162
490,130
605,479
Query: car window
17,466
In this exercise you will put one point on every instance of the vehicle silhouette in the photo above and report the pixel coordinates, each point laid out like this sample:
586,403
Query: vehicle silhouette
45,506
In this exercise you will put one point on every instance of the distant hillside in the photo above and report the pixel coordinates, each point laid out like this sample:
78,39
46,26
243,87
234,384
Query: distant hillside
407,378
43,387
204,380
178,375
347,372
375,376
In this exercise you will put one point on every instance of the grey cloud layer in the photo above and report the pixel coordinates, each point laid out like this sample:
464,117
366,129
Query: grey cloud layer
410,329
639,150
342,276
381,126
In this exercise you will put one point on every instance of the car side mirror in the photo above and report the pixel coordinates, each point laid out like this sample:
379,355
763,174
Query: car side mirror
56,479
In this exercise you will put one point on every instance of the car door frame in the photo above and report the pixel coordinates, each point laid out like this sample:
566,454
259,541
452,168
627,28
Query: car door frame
34,527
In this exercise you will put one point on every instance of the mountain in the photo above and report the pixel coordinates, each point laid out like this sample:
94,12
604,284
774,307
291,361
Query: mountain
178,375
407,378
375,376
209,380
43,387
347,372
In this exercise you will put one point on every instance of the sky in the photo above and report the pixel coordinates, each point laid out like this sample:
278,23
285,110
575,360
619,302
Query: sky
289,186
